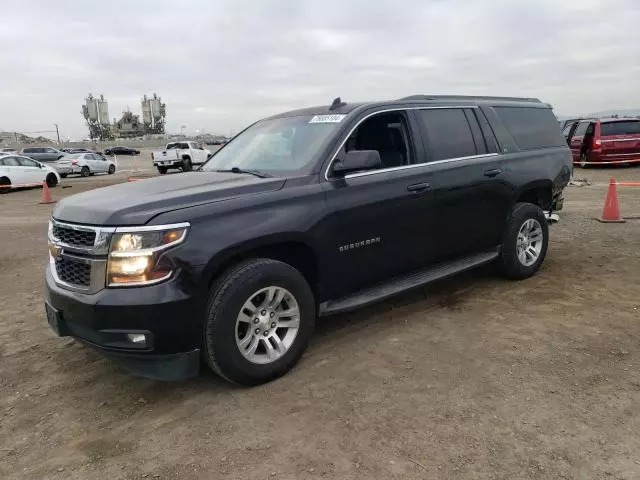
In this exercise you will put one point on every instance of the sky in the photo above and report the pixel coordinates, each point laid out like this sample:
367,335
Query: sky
222,64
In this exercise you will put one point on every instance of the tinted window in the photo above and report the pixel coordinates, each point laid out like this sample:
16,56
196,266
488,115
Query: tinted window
26,162
631,127
448,133
30,150
532,128
581,129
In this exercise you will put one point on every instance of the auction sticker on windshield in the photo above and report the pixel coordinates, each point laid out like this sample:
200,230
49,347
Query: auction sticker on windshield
327,119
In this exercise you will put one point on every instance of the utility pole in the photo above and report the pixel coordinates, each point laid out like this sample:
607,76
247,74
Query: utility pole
57,133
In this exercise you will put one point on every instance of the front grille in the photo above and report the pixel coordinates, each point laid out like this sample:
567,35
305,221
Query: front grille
73,271
70,236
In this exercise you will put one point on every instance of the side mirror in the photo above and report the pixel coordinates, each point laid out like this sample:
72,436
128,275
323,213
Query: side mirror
356,160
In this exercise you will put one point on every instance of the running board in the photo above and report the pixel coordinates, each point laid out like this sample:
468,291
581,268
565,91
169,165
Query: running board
401,284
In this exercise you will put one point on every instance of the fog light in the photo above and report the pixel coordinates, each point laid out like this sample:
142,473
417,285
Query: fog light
137,338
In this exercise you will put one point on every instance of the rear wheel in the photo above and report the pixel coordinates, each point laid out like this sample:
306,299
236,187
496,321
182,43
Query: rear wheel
85,172
5,183
186,164
260,318
112,169
525,242
162,170
51,180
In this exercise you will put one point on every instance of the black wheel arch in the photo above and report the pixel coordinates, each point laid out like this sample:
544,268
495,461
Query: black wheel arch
294,250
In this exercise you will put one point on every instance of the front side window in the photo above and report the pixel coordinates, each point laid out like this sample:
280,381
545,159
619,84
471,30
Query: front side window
277,146
448,132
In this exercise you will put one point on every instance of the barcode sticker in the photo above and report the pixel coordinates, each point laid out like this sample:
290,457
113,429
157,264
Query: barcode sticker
327,119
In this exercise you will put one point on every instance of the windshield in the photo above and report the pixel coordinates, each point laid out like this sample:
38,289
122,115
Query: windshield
277,146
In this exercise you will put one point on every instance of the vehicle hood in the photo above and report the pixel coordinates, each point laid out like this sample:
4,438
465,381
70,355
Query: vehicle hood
135,203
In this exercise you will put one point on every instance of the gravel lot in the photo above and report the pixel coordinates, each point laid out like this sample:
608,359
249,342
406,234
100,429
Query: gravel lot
471,378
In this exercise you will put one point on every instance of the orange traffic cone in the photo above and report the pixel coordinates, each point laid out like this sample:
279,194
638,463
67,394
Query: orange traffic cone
611,210
46,194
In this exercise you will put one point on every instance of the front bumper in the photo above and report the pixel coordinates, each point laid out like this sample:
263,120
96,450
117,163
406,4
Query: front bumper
163,313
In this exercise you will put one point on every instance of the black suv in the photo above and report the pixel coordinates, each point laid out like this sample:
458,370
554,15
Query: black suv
304,214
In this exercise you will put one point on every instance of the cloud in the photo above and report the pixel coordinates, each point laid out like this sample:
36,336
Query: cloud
220,65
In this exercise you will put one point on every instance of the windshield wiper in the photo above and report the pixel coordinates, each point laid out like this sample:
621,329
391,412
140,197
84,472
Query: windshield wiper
257,173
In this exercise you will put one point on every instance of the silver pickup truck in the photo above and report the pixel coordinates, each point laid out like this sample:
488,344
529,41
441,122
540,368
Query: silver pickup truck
182,155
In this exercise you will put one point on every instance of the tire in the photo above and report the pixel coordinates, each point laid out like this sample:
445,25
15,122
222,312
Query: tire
510,263
51,180
584,158
112,169
186,164
4,182
85,172
229,295
162,170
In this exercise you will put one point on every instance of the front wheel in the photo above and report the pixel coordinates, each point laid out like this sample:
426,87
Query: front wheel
525,242
260,318
5,185
186,165
112,169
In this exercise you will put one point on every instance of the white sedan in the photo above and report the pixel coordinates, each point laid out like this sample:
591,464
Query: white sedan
17,171
84,164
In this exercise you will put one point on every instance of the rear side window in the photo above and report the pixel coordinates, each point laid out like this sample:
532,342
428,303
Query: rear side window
532,128
631,127
448,132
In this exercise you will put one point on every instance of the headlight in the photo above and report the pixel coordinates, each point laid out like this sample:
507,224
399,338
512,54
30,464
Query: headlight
134,254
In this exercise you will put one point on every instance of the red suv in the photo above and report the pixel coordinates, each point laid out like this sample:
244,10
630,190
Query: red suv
614,141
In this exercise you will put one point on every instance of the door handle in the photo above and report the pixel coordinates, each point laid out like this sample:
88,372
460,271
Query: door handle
494,172
418,187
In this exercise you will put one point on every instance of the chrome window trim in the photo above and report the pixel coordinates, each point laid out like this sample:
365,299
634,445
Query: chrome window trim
620,139
396,109
416,165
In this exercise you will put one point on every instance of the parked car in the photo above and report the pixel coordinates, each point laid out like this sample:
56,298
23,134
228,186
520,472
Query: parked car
121,151
17,171
182,155
43,154
12,151
303,214
84,164
614,141
83,150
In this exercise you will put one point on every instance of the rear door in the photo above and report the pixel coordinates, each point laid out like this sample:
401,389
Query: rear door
471,199
621,141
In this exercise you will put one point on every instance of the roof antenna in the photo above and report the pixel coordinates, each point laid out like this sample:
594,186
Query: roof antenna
337,103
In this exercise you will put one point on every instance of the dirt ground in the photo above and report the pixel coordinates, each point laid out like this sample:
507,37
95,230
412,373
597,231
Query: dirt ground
472,378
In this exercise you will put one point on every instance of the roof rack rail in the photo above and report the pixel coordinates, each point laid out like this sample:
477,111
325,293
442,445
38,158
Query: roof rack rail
469,97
